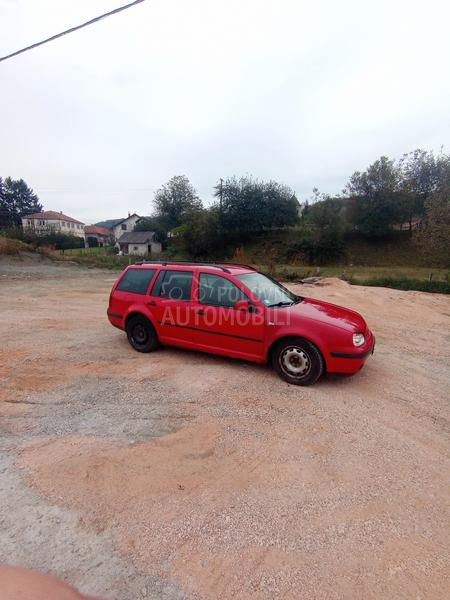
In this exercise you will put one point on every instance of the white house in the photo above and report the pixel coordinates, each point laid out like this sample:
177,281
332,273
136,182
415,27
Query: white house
120,226
139,243
54,221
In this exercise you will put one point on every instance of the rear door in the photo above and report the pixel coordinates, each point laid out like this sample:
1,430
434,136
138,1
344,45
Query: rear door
170,301
130,290
218,326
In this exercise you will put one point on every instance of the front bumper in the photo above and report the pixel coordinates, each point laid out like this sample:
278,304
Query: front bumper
347,361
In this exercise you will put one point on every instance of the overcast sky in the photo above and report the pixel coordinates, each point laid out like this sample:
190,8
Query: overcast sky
304,92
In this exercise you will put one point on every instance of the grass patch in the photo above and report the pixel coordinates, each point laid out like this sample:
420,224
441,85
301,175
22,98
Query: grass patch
364,273
112,262
402,278
404,283
356,274
99,251
12,247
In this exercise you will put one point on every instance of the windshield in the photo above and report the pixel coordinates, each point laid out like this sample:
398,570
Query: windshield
269,292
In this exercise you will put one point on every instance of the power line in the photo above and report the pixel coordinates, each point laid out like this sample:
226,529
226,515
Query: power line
71,30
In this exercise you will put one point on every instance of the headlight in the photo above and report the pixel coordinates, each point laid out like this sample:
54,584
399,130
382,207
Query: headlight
358,339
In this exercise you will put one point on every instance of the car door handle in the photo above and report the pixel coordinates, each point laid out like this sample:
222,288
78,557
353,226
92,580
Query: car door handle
151,303
199,311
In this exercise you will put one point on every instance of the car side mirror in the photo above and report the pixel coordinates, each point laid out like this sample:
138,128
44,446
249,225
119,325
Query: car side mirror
243,305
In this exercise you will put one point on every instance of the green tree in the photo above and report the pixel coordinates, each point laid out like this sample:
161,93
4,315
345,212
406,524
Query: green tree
16,200
433,237
418,178
374,206
322,238
200,232
327,215
173,199
423,172
250,205
305,208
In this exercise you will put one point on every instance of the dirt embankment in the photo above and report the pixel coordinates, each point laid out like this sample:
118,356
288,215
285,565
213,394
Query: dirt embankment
211,478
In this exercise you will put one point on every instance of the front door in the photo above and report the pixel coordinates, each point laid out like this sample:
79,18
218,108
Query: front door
218,326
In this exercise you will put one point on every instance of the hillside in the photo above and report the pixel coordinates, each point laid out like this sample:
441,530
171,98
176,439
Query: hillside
397,250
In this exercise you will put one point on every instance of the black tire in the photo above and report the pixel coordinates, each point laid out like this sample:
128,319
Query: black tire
141,334
297,361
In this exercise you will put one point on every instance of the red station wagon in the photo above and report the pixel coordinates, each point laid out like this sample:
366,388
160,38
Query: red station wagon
236,311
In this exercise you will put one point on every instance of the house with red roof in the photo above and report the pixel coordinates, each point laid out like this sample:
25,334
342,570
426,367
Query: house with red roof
55,221
102,235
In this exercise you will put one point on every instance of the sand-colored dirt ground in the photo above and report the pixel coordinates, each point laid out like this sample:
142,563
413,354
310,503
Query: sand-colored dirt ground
183,475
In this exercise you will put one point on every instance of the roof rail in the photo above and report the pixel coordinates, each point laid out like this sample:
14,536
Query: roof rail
183,262
218,265
237,264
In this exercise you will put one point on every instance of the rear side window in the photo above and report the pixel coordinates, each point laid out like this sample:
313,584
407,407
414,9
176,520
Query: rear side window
136,280
175,285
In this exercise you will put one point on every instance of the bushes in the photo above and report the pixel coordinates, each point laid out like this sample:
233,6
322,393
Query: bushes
61,241
317,250
92,242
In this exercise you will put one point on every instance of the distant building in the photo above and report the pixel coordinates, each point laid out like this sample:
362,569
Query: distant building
120,226
101,234
140,243
414,223
50,220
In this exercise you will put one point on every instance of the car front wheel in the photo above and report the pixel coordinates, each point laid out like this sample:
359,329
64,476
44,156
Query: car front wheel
141,334
297,361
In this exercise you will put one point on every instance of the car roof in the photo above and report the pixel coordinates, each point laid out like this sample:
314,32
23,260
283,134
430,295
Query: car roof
229,268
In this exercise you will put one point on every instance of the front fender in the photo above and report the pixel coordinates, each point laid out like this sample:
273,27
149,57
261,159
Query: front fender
322,336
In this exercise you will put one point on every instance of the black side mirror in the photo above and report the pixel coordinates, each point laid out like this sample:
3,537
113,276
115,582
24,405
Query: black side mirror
245,305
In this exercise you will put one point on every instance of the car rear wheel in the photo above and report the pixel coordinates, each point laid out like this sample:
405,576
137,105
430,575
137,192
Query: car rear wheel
297,361
141,334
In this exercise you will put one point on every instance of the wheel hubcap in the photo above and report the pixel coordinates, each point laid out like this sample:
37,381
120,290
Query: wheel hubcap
139,334
295,362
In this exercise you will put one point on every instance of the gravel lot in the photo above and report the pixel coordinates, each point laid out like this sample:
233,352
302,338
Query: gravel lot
182,475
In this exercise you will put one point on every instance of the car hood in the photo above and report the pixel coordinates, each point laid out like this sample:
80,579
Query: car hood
324,312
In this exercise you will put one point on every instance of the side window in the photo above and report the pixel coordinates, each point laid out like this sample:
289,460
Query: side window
123,226
218,291
175,285
136,281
